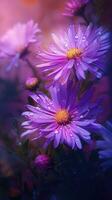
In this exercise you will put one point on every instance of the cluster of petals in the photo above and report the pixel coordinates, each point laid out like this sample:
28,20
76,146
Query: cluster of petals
75,51
15,43
61,119
72,6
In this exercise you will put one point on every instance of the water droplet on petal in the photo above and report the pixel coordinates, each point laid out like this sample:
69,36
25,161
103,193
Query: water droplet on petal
81,116
84,38
56,131
76,37
99,75
49,107
99,33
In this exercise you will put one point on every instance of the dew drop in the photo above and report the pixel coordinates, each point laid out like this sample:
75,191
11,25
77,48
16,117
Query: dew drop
76,37
99,75
49,107
84,38
39,117
66,44
56,131
99,33
51,103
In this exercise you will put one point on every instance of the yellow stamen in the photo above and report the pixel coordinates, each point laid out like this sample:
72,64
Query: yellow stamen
74,53
62,116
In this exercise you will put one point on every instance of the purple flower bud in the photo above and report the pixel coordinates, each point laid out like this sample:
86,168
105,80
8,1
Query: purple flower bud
31,83
42,161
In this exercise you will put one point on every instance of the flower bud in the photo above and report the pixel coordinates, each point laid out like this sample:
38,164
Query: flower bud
42,161
31,83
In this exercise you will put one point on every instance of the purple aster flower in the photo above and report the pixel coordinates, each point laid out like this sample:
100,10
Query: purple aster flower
15,45
73,5
105,146
61,119
75,51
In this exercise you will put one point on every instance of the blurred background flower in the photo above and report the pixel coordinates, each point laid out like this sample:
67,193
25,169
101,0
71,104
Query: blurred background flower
73,6
105,146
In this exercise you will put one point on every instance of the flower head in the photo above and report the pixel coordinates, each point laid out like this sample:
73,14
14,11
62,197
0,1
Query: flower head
72,6
75,51
14,45
61,119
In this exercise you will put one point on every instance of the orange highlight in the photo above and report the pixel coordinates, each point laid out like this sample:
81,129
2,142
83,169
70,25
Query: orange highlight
29,2
62,116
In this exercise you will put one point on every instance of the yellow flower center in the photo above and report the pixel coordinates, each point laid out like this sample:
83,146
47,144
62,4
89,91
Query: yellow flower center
62,116
74,53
